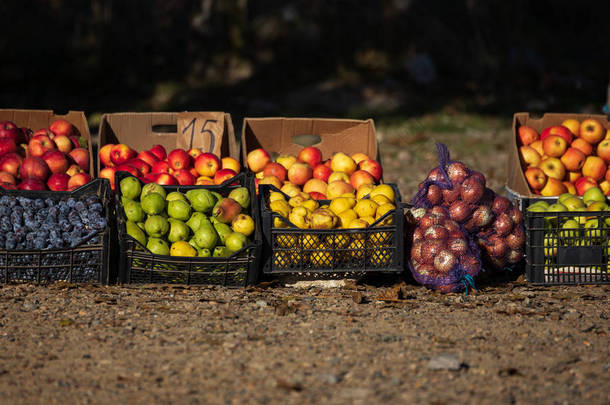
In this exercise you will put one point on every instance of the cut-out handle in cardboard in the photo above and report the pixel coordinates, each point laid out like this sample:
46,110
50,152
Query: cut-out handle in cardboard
202,130
165,128
305,140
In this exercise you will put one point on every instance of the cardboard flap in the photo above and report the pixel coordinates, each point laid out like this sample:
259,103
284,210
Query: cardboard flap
281,135
203,130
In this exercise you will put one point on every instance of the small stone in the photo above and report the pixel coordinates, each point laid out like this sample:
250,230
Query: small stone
445,361
330,379
261,303
572,315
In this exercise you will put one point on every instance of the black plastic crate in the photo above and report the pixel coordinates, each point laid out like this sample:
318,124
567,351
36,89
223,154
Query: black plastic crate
87,263
140,266
575,255
332,252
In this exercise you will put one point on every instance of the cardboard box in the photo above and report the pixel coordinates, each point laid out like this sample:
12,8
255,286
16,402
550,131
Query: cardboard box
211,131
516,184
37,119
280,136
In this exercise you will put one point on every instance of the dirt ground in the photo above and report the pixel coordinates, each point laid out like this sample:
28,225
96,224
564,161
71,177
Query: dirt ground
374,341
354,344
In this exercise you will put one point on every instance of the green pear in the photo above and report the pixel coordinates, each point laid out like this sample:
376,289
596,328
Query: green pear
134,212
179,209
570,231
593,230
236,241
573,203
175,195
222,251
135,232
223,231
538,206
153,203
157,246
130,187
550,245
204,253
242,196
201,200
593,194
178,230
152,188
564,197
206,237
196,219
156,226
217,195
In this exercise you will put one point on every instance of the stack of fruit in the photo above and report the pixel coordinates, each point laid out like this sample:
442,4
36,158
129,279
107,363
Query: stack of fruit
56,158
371,206
199,222
567,158
581,229
186,168
307,172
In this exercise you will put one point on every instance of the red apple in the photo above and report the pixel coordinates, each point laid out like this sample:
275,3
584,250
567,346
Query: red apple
33,166
39,144
230,163
605,187
603,150
299,173
573,125
558,130
104,155
582,145
257,160
147,157
594,167
7,145
537,145
184,177
315,185
529,156
8,129
553,187
160,167
317,196
63,127
27,135
310,155
166,179
572,176
535,178
179,159
78,180
73,169
108,173
194,172
6,177
204,181
527,135
76,142
63,143
223,175
11,162
81,157
56,161
591,130
554,145
194,152
275,169
151,177
142,167
8,186
570,187
126,167
553,167
373,167
32,183
207,164
583,184
361,177
120,154
573,159
158,151
58,182
360,157
322,172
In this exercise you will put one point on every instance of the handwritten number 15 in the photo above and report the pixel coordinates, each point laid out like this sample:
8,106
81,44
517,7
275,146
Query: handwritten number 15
191,127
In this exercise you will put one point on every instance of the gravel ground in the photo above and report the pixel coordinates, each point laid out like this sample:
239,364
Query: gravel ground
358,343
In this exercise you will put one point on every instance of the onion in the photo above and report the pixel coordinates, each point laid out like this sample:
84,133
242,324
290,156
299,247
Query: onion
452,194
514,256
418,235
457,246
434,194
482,216
496,246
500,205
430,219
436,232
444,261
516,238
436,175
503,224
430,248
458,172
470,264
472,190
416,252
459,211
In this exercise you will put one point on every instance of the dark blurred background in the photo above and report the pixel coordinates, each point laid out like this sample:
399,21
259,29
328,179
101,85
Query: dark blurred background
385,59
